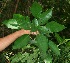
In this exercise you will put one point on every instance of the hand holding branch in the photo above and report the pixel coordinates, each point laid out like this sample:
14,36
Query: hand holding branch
7,40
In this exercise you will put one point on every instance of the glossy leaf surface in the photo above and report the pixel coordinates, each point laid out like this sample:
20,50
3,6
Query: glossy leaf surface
25,24
35,22
12,23
45,16
34,25
43,30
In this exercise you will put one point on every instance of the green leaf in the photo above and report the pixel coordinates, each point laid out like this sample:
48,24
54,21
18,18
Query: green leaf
45,16
24,21
18,22
43,30
59,39
12,23
21,42
55,27
42,42
54,47
35,22
36,9
27,19
26,24
16,58
18,17
33,28
34,25
68,44
48,59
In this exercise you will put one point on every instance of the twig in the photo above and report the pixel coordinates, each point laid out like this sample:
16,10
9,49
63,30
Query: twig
16,6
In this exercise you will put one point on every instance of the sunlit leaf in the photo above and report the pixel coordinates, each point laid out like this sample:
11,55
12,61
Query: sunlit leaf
45,16
43,30
12,23
35,22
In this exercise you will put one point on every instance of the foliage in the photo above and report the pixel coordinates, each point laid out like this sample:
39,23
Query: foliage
24,41
25,57
42,41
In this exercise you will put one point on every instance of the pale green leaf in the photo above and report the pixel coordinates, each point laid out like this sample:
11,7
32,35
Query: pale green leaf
12,23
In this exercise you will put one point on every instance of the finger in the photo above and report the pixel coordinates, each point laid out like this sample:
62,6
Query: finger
37,32
33,33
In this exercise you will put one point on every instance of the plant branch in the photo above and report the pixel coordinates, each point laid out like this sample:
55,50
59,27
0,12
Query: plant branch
16,6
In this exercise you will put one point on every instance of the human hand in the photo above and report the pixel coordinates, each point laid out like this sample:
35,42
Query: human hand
22,31
34,33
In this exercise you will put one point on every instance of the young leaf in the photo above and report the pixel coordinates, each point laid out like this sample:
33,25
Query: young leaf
55,27
36,9
45,16
42,42
21,42
12,23
54,47
59,39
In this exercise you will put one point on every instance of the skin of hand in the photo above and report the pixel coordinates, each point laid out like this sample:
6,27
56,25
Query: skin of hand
7,40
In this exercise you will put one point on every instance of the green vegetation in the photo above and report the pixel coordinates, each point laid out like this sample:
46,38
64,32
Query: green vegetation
46,47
